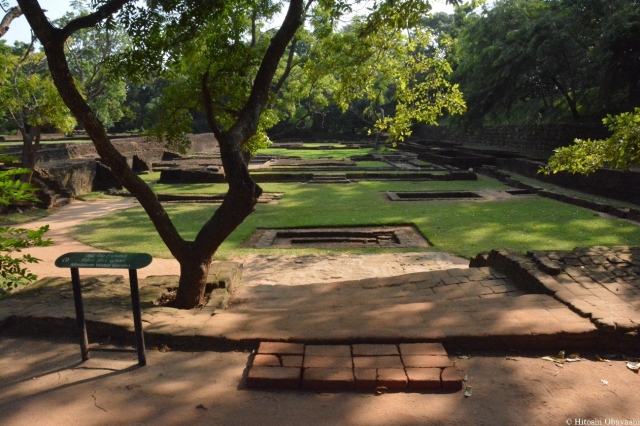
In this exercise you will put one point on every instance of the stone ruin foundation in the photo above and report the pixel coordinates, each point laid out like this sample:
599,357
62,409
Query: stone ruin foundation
339,237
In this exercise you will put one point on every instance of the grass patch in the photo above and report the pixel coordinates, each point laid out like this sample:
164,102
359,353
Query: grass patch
460,227
373,164
92,196
24,217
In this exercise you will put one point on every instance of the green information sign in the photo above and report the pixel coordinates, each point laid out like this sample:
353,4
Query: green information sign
104,260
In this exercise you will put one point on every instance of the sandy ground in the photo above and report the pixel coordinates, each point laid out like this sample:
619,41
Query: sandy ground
42,383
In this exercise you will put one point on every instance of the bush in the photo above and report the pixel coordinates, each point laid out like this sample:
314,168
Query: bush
12,272
12,240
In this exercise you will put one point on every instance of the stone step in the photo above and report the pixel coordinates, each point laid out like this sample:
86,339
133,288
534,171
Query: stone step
410,367
61,201
334,178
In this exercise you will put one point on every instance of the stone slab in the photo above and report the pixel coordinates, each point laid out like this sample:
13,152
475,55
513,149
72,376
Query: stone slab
261,360
365,379
374,350
327,350
273,378
394,379
377,362
422,349
328,379
291,360
426,361
424,379
281,348
451,379
312,361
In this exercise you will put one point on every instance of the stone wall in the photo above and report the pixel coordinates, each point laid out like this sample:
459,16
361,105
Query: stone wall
614,184
148,151
539,138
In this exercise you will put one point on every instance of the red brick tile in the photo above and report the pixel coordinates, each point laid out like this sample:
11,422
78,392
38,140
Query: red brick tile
311,361
451,379
266,361
377,362
424,378
281,348
291,360
422,349
365,378
328,379
374,350
394,379
273,378
426,361
327,350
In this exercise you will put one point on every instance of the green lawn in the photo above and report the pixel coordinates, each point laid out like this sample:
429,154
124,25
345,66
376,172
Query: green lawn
24,217
461,227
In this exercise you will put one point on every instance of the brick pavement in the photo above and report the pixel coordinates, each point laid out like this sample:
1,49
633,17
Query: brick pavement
362,367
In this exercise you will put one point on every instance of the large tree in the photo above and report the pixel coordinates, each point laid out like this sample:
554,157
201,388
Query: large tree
219,33
30,99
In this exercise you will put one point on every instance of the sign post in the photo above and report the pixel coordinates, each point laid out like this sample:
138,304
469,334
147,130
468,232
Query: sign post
130,261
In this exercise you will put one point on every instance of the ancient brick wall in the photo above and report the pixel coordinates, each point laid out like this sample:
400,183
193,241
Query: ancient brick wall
542,138
614,184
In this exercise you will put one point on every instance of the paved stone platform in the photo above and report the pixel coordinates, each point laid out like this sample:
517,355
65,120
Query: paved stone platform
417,367
580,299
598,283
462,308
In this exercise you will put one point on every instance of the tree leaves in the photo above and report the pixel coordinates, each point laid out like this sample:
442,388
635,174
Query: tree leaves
620,151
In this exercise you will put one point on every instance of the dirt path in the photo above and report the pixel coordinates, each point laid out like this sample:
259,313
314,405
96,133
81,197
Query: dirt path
63,219
42,383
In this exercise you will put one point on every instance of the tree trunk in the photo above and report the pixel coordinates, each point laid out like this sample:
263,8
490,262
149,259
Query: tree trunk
193,279
239,203
30,148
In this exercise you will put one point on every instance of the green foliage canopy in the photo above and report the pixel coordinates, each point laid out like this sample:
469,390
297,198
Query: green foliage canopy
27,92
385,58
549,60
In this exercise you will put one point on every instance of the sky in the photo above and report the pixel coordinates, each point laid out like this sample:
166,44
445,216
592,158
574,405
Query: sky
19,29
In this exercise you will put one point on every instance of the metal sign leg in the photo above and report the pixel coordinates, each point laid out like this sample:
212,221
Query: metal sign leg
137,316
77,298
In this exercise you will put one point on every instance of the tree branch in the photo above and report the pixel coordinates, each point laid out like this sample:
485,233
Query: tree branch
288,68
208,105
13,13
92,19
247,124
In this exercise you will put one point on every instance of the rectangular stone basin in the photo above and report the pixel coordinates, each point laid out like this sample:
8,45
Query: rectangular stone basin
343,237
432,195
